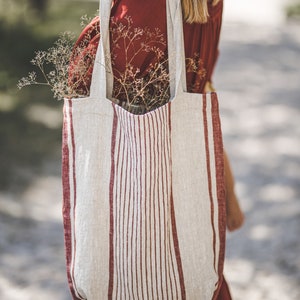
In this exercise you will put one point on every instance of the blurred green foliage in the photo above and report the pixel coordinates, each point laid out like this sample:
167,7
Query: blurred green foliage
30,122
293,10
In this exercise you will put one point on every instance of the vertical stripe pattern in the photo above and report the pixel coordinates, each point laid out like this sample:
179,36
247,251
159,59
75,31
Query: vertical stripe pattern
209,161
198,192
220,212
144,256
156,203
215,175
69,195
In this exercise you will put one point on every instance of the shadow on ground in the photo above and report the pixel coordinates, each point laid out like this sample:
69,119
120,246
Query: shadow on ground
258,77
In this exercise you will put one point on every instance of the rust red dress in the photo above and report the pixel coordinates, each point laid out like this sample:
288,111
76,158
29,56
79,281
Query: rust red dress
201,44
201,41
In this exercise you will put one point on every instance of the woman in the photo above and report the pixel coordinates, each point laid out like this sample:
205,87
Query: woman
202,28
202,25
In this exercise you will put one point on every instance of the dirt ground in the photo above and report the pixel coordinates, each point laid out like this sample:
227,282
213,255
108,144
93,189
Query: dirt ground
258,79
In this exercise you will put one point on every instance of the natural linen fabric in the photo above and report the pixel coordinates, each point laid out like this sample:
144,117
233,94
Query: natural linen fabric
144,210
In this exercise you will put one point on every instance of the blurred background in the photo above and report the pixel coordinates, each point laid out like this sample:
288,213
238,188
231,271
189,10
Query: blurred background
258,79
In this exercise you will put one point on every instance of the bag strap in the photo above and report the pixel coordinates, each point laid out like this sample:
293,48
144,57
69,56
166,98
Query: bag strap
102,77
176,54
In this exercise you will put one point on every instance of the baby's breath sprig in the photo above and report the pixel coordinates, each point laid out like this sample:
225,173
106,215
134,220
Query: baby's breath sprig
53,67
138,91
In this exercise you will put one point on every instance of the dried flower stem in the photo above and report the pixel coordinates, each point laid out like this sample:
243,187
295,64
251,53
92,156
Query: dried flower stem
133,88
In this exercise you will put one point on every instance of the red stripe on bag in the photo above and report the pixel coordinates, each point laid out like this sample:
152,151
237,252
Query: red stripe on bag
209,174
219,160
67,194
174,230
111,204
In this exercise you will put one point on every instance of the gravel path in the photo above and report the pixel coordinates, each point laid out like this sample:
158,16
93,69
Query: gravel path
258,77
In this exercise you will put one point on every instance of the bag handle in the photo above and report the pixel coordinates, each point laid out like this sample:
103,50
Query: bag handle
102,77
176,56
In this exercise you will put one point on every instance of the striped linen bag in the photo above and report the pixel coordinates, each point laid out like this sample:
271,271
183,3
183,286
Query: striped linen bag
144,210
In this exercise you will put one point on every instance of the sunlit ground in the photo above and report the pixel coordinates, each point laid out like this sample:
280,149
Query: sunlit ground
258,79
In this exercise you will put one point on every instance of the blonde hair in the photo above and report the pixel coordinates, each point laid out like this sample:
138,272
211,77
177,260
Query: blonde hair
196,11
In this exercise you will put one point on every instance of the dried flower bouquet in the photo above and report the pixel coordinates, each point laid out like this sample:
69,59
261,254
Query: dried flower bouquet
134,90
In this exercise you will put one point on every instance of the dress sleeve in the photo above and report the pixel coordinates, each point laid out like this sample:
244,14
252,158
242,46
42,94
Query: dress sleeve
82,59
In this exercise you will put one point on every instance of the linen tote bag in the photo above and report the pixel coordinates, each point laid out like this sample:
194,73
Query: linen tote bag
144,210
